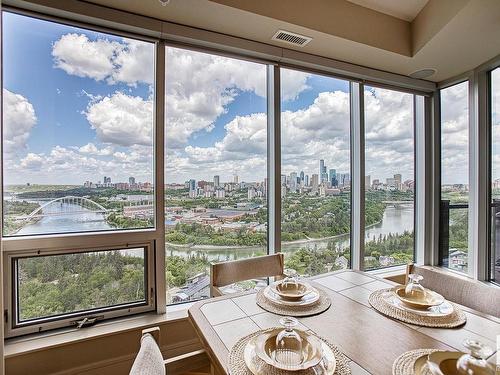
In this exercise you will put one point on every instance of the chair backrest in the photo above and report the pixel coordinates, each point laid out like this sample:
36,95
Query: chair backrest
460,289
225,273
149,360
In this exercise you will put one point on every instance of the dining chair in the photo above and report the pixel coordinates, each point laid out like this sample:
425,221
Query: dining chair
149,359
459,288
226,273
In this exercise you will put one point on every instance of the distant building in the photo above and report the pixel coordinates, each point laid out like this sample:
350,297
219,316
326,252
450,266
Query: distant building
314,183
293,182
216,181
236,179
368,182
196,287
220,193
131,180
457,259
332,178
251,193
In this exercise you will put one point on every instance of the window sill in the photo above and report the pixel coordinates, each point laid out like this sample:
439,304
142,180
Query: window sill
51,339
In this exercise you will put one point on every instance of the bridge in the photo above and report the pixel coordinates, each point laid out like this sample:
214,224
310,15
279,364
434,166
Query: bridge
68,205
398,203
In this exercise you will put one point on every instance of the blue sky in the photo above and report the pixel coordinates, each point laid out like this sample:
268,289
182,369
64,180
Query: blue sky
79,106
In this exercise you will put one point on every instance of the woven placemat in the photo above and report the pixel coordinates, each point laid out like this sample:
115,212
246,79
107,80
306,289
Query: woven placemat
320,306
379,303
237,365
405,363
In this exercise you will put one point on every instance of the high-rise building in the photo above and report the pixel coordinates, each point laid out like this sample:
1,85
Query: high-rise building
216,181
302,176
283,179
131,181
192,185
368,182
251,193
314,182
293,181
332,178
306,180
236,180
398,181
323,174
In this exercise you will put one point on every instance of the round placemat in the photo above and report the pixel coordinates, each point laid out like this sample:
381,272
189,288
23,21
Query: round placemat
237,365
322,305
405,363
455,319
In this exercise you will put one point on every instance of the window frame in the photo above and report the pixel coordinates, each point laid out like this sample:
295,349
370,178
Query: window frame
51,244
352,130
453,82
417,214
15,327
158,32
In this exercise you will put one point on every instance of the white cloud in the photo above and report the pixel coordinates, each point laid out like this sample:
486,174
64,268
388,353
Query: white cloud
200,86
128,61
77,55
454,134
92,149
18,119
122,120
64,165
32,161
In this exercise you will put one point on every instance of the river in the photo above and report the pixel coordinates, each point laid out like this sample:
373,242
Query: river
395,220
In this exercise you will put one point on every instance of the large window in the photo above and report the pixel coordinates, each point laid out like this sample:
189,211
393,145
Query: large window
77,129
78,156
316,172
495,175
216,167
453,212
389,178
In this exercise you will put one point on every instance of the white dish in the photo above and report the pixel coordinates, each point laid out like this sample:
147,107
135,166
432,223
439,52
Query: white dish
308,300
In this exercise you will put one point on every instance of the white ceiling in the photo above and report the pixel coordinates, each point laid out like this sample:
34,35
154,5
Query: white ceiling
465,40
403,9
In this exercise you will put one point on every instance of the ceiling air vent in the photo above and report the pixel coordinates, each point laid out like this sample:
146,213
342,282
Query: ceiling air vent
291,38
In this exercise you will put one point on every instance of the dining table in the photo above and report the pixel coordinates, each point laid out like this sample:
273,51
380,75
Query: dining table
370,340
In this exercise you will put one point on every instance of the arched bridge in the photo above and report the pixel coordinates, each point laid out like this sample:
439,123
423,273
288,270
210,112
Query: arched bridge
74,205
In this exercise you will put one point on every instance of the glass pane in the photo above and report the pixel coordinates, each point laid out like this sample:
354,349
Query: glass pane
495,174
216,167
454,177
389,178
61,284
77,129
315,180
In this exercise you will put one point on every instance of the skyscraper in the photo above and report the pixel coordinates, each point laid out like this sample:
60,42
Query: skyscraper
321,168
306,180
332,179
216,181
131,180
192,185
302,176
314,182
293,181
236,180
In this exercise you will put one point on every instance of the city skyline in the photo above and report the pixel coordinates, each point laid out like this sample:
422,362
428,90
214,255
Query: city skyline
95,113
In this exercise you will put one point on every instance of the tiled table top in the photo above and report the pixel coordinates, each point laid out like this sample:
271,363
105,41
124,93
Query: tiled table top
351,323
